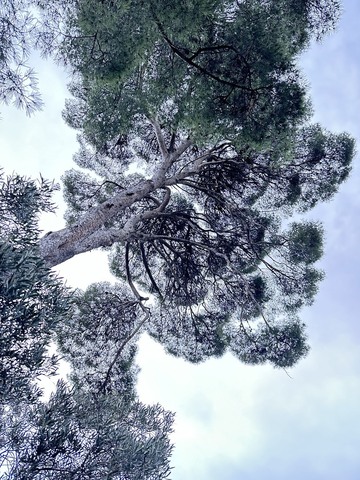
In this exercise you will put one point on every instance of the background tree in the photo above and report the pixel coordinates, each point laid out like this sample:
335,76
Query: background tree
94,427
19,29
80,436
32,299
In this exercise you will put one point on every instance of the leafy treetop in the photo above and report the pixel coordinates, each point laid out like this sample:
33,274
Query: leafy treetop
205,100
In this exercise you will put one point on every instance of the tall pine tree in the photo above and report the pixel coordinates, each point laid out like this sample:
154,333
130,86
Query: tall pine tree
193,123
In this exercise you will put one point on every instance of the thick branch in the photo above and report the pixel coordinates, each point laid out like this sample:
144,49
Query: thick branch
191,62
89,233
57,247
160,139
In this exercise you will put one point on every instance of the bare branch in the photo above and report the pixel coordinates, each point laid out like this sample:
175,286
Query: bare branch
148,270
128,275
160,139
184,145
123,345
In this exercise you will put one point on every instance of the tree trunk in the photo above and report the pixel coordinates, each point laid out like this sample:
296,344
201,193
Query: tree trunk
89,232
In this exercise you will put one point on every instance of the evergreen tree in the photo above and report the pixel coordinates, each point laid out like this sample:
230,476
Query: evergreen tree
79,436
213,115
32,300
19,30
205,103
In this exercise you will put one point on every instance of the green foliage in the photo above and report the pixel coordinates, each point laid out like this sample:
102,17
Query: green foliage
323,162
217,70
32,299
18,31
99,339
81,437
32,302
21,202
282,344
305,244
204,100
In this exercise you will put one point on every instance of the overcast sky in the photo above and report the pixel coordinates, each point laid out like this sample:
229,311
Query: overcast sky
234,421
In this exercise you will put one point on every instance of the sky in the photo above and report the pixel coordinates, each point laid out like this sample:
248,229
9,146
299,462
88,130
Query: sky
234,421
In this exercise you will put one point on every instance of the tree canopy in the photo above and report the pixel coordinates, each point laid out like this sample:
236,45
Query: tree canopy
215,69
195,150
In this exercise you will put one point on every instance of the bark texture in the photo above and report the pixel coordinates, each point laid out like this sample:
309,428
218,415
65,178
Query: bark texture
90,233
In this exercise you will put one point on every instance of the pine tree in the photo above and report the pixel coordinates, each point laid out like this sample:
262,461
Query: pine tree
194,129
212,114
19,29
